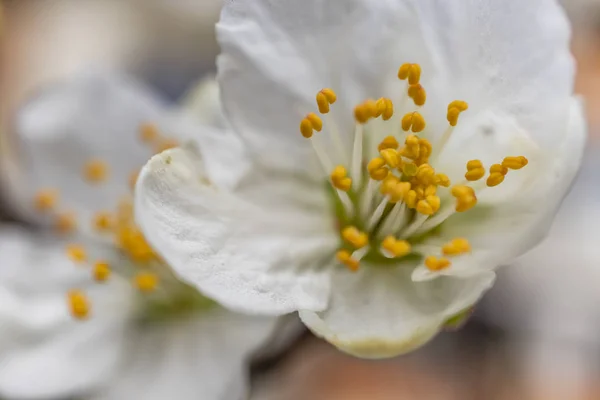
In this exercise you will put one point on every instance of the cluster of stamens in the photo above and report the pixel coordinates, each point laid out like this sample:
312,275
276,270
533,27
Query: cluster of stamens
392,199
116,225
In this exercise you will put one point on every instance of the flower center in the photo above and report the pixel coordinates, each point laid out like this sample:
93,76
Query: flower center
162,295
389,196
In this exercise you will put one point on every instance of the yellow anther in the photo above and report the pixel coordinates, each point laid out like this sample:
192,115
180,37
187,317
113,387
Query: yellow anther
434,202
475,170
385,108
101,271
65,223
391,157
412,72
494,179
95,171
377,169
325,98
429,206
456,246
76,253
388,183
498,169
418,94
465,197
146,282
442,180
411,199
103,221
409,169
166,144
355,237
345,258
437,264
46,199
365,111
430,190
340,179
396,248
389,142
515,162
315,121
425,150
454,110
132,242
413,121
133,177
306,128
425,174
398,191
79,305
148,132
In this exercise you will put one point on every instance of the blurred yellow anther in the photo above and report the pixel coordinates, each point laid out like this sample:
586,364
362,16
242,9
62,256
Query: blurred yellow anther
436,264
148,132
409,169
103,221
133,177
65,223
340,180
132,242
412,72
365,111
397,192
454,110
377,169
385,108
418,94
514,162
413,121
411,199
77,253
325,98
312,122
101,271
356,238
345,258
395,248
442,180
46,199
465,197
146,282
95,171
391,157
389,142
166,144
475,170
79,305
456,246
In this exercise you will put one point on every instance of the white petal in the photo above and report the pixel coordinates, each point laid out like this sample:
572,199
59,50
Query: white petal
203,102
203,356
38,336
93,116
243,256
507,55
379,312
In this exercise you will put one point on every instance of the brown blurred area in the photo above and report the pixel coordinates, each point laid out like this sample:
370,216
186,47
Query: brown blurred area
170,44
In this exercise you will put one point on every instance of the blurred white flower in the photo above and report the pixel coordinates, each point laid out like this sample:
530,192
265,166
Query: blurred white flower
91,309
383,219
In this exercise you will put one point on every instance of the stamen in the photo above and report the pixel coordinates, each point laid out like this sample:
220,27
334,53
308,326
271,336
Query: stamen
340,180
391,157
146,282
365,111
497,174
355,237
454,110
413,121
475,170
417,94
394,248
345,258
77,253
102,271
46,200
412,72
78,304
385,108
456,246
95,171
377,169
103,221
65,223
389,142
437,264
465,197
515,162
325,97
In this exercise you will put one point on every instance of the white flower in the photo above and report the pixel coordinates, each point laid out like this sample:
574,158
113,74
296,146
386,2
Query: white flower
433,190
142,333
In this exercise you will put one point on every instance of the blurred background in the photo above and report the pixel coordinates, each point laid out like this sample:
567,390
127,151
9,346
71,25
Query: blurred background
535,336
